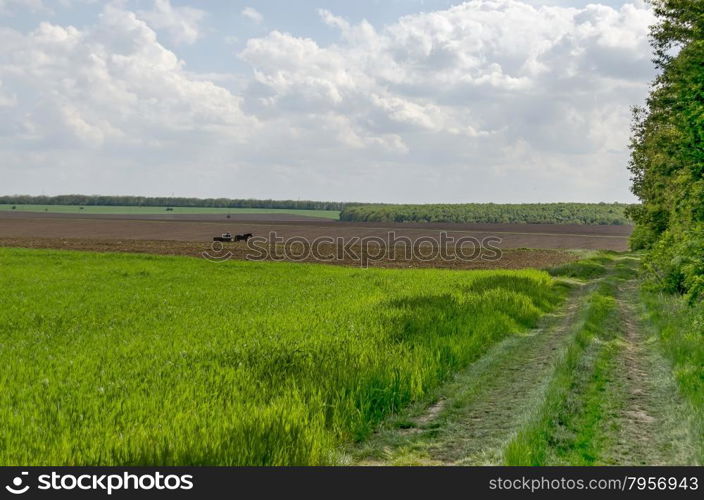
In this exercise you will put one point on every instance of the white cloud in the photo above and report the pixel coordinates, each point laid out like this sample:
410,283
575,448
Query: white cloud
113,85
252,14
472,85
181,23
491,100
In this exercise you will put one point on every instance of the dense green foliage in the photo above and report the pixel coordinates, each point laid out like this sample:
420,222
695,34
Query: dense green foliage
141,209
135,359
145,201
667,160
537,213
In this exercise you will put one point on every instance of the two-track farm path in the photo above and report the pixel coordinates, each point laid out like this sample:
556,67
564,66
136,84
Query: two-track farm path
482,409
651,425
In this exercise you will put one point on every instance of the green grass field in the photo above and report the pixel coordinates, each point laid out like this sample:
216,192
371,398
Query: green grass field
135,210
116,359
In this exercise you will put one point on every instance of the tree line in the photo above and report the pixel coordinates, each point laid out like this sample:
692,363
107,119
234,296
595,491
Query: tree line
667,152
667,167
530,213
145,201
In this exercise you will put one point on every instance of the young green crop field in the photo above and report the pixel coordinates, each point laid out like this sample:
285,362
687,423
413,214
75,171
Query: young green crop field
117,359
139,210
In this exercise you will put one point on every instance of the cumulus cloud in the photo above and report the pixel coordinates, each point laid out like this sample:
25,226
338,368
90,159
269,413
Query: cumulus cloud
490,100
181,23
252,14
498,85
111,86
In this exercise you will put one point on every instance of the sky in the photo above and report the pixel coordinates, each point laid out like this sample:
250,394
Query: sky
399,101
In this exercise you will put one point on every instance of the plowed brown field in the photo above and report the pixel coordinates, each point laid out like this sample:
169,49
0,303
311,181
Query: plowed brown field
192,235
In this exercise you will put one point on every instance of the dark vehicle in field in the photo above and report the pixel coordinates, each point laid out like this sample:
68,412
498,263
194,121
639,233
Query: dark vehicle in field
227,237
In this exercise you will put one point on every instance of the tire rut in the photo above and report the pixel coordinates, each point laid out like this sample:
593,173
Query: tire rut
649,423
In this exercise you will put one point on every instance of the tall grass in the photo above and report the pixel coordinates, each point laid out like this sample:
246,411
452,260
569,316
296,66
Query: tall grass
680,328
116,359
584,269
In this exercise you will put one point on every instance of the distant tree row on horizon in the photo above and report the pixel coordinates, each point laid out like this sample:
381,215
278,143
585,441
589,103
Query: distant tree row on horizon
528,213
149,201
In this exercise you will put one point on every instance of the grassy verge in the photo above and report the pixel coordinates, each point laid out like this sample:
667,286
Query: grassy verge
680,330
585,269
116,359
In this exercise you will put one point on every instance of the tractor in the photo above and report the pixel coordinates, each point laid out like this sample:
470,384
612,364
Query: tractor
226,237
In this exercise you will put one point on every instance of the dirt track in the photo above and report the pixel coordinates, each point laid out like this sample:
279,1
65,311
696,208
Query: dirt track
619,405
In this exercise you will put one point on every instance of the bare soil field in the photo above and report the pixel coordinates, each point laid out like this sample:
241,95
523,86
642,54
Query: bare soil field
509,258
202,228
289,239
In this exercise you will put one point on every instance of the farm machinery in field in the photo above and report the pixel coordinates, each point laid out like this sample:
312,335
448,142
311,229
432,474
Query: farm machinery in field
228,237
225,237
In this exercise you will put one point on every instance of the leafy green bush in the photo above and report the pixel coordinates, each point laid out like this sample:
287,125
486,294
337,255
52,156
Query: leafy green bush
676,262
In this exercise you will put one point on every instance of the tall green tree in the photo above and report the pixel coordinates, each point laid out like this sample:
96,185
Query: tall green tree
667,151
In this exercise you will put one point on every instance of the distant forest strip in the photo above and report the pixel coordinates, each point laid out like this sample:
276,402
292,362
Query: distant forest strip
144,201
535,213
529,213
